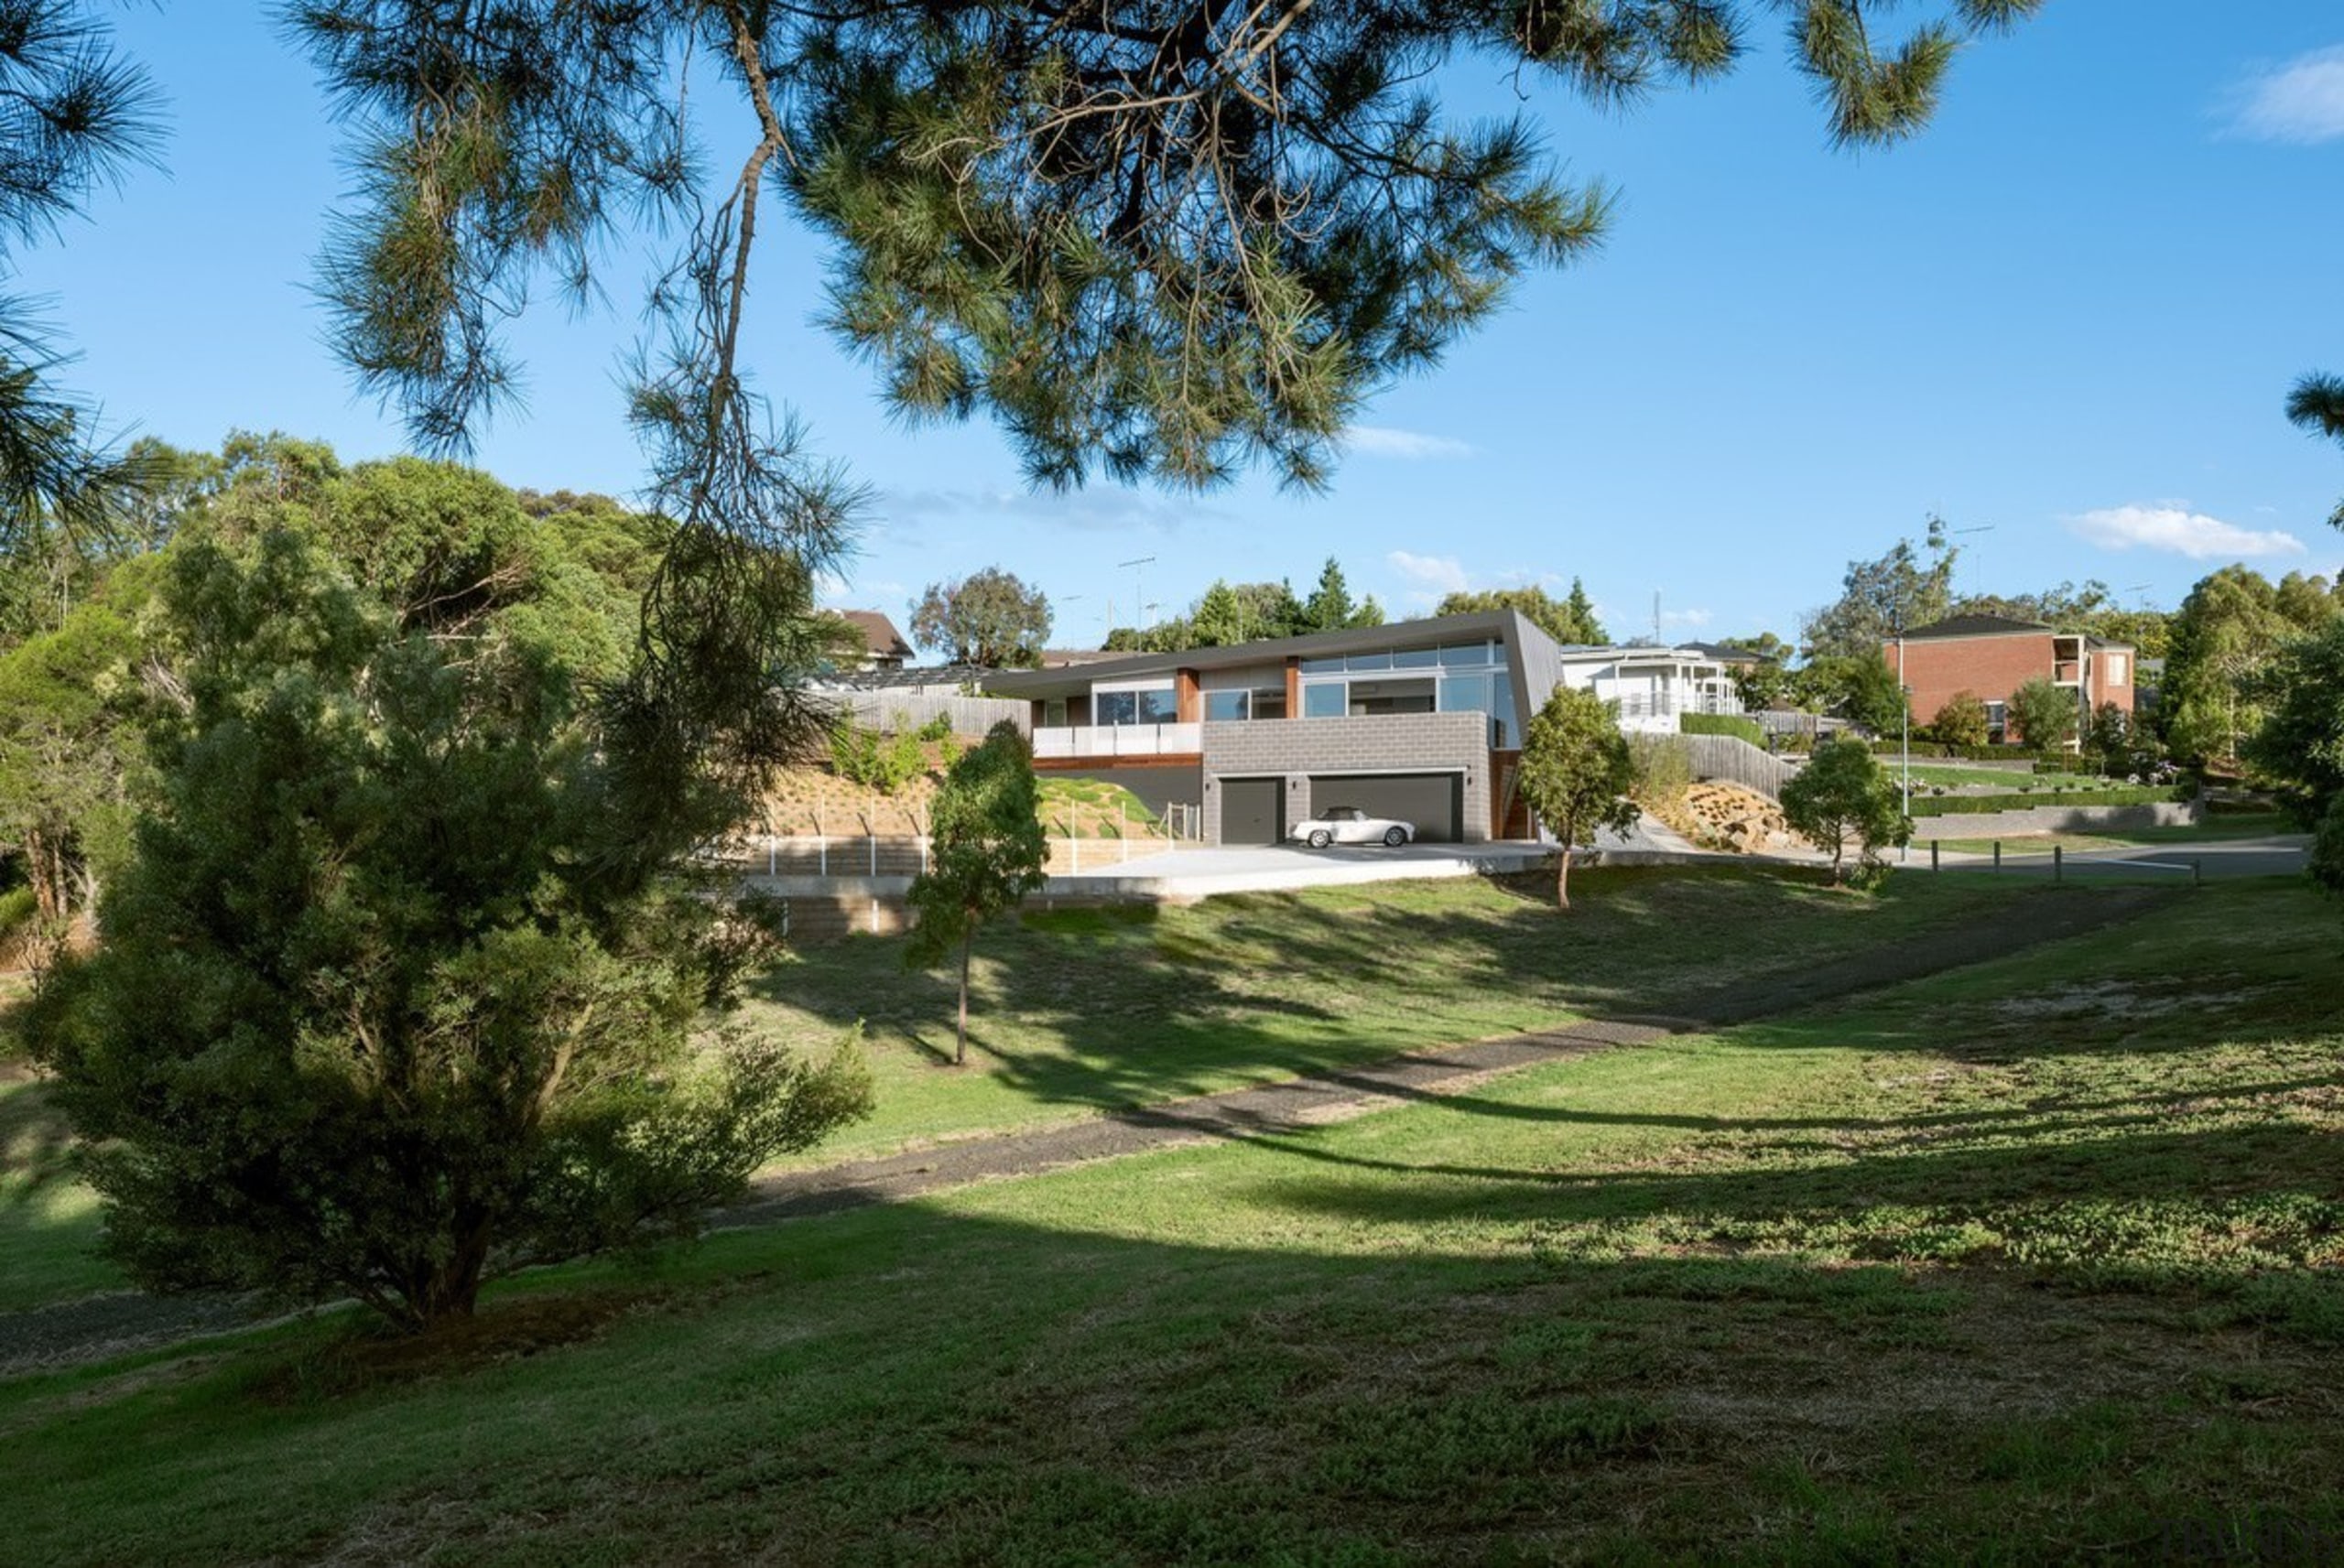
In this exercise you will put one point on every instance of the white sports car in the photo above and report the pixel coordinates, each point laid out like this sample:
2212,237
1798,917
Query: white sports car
1350,825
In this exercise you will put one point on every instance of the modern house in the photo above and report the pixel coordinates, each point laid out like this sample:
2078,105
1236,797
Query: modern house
1422,719
1990,656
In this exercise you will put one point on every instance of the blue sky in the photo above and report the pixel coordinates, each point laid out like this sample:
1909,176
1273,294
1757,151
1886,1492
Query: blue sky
2068,315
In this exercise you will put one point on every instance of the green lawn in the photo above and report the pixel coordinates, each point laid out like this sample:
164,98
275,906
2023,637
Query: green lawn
2033,1262
1081,1011
1952,775
48,1220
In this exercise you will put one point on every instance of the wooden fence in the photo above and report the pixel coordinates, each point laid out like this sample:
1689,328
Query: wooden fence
1732,759
892,710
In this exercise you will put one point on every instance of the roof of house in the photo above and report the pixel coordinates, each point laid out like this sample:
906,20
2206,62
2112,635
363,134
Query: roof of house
890,679
1724,655
2001,626
1540,658
1068,679
1973,626
879,633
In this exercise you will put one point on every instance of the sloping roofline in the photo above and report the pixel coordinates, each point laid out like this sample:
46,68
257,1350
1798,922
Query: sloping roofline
1070,680
1956,626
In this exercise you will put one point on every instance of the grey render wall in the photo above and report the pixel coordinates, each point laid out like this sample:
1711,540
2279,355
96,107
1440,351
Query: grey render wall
2058,819
1294,748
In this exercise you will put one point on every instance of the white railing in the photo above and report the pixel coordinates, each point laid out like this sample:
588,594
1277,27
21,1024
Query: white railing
1111,741
1669,703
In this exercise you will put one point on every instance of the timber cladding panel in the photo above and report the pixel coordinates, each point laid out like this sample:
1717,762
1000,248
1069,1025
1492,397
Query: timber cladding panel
1297,749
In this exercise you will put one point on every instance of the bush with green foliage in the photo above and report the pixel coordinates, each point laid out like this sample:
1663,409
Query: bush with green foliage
402,987
2298,749
1732,724
2045,714
1939,750
1844,796
1662,770
988,852
1961,721
2024,800
876,760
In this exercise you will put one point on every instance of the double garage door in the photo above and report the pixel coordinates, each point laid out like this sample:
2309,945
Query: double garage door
1252,811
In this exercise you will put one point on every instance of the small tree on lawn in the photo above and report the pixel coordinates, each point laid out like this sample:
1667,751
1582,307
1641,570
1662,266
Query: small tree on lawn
1843,795
2044,713
989,851
1962,721
1577,773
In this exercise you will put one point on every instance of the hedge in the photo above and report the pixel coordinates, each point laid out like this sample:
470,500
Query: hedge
1722,724
1985,805
1939,750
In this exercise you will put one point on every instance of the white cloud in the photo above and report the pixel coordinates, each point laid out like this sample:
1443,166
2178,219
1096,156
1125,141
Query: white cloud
1440,573
1108,509
838,593
1381,441
1696,618
2301,101
2179,530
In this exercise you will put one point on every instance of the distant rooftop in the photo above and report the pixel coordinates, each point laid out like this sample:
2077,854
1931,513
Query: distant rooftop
879,635
1974,626
1999,626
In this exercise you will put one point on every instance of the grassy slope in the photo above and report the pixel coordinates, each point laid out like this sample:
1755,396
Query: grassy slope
48,1220
1083,1012
1941,1275
1086,1012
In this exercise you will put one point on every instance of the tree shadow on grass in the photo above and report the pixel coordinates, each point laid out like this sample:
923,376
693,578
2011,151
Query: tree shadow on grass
1265,1391
36,1140
1131,1005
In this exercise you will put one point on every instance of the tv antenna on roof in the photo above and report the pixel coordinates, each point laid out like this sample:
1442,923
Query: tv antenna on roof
1139,594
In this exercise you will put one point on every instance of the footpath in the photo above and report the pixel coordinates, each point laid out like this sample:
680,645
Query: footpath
70,1332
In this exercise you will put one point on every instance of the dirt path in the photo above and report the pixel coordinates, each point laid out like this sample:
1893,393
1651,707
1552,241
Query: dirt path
75,1331
1353,1091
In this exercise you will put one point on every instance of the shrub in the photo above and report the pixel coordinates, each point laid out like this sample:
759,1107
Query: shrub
1962,721
2115,794
1845,796
1731,724
1664,770
881,763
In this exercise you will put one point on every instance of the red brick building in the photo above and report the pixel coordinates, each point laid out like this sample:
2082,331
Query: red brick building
1990,656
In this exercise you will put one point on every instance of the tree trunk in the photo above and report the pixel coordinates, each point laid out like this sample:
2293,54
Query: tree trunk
960,1035
1563,877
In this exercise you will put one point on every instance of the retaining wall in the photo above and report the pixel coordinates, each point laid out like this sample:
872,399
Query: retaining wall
2056,819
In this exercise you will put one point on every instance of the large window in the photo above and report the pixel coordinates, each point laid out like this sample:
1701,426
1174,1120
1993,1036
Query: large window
1221,706
1490,693
1144,704
1325,699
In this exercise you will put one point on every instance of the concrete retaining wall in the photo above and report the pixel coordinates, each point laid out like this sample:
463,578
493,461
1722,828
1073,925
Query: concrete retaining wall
2056,819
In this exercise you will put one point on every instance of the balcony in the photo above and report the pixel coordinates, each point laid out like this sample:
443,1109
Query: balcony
1090,742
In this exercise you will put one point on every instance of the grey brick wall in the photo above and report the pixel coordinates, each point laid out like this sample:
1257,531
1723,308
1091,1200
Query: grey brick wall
1395,743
